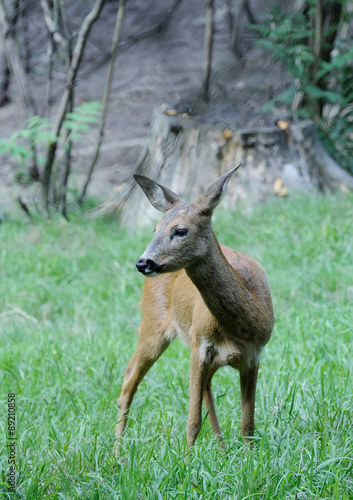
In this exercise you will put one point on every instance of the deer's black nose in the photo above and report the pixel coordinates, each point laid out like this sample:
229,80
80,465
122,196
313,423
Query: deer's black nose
147,266
142,265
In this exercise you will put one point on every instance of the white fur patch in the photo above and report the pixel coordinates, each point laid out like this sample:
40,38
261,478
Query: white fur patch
150,274
170,335
226,351
176,331
183,335
204,347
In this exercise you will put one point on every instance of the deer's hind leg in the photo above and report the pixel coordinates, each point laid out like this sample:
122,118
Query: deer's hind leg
248,380
149,348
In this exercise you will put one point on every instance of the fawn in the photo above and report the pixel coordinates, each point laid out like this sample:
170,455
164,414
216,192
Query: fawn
215,299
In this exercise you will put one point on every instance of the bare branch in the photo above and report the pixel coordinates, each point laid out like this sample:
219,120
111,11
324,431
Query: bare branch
68,149
249,12
51,23
116,38
208,49
24,207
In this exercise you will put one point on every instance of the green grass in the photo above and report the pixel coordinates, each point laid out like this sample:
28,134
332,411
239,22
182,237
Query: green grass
68,317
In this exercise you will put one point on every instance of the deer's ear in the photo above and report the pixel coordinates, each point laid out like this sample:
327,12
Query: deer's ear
208,201
160,197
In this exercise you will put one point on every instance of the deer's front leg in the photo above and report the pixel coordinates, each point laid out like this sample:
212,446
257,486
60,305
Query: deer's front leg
197,382
149,348
208,400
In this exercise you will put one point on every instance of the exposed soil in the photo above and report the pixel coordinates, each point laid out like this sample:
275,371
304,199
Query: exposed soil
164,67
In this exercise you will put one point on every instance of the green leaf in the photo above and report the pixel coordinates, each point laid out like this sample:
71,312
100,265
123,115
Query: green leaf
5,146
21,152
70,125
89,119
21,134
75,136
46,136
82,127
318,93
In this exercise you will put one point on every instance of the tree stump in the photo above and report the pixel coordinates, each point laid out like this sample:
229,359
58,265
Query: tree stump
186,154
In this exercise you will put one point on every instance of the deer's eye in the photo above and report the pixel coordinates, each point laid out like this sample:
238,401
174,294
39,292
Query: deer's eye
181,232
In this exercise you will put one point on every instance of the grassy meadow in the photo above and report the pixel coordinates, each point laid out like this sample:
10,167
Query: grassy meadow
68,320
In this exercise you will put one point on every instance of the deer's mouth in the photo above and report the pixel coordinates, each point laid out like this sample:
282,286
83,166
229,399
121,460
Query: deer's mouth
149,267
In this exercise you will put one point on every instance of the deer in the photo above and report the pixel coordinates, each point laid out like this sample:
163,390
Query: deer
216,300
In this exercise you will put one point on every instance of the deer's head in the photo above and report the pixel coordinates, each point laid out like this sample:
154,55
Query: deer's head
182,236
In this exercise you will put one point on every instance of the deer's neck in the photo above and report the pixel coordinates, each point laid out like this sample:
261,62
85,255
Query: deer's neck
222,289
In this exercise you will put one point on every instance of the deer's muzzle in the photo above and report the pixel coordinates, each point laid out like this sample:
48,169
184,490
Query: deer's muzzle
148,267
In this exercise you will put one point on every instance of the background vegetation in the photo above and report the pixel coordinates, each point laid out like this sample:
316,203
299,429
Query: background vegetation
68,319
314,43
50,48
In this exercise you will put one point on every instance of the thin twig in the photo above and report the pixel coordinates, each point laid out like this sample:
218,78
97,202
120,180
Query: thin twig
24,207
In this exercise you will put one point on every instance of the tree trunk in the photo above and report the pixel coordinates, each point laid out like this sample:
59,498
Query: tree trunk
326,23
15,64
4,81
186,155
84,31
16,69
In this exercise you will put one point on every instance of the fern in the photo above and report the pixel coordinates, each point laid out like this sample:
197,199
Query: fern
37,134
82,119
